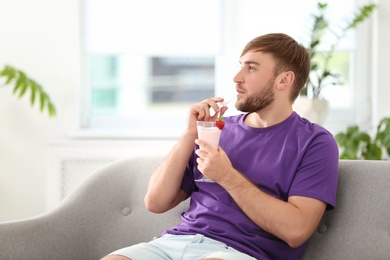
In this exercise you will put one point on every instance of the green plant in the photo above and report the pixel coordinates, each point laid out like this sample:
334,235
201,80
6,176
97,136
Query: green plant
321,74
356,144
22,83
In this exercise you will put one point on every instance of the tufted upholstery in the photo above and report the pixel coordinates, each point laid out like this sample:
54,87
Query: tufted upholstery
106,212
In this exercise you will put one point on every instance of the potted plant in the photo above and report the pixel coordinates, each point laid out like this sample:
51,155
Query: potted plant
356,144
22,83
321,74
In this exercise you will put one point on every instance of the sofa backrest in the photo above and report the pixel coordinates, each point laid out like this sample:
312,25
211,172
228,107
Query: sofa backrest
359,227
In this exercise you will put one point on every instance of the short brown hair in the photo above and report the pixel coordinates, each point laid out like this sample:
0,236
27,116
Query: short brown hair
289,55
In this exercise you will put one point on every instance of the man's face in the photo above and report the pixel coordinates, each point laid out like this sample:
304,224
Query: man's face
255,82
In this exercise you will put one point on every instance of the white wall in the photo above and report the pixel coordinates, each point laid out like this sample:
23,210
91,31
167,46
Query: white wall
42,37
381,54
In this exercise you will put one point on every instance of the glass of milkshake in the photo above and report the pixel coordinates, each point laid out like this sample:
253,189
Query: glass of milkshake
210,133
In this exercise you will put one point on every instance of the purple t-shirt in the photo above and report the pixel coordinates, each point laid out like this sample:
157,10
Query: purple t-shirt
292,158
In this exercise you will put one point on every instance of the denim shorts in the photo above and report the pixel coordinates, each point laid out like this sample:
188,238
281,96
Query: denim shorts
181,247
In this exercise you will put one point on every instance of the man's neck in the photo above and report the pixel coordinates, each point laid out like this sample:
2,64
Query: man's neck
266,118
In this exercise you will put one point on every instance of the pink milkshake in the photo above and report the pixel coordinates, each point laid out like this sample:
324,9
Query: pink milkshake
208,132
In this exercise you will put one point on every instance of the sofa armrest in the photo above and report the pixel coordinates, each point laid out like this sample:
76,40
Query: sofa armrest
105,212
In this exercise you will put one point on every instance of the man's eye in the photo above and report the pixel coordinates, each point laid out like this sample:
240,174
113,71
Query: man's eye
251,68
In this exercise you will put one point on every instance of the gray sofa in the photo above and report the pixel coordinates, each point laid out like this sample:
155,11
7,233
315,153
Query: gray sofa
106,212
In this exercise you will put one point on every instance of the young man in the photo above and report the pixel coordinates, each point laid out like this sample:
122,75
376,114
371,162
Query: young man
274,172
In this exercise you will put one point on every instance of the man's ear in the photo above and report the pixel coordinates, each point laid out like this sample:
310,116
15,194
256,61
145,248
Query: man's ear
285,79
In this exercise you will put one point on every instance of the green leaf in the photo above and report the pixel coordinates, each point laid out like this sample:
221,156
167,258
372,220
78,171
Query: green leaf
322,5
314,66
313,44
33,87
18,83
9,73
341,138
372,152
42,99
362,136
52,110
383,134
362,15
355,144
22,83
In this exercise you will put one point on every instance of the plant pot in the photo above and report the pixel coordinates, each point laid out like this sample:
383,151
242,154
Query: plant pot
315,110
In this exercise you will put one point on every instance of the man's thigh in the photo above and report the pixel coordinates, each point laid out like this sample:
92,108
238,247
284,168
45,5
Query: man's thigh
184,247
228,255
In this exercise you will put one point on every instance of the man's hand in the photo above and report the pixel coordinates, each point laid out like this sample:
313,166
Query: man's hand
214,164
201,112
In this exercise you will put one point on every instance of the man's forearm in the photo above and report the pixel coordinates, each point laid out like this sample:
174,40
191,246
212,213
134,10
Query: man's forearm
287,220
164,186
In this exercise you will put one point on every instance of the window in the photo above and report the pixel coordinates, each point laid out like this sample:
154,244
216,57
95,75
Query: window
147,61
147,65
169,80
104,83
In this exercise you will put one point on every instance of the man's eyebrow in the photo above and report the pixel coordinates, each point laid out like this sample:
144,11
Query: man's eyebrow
248,62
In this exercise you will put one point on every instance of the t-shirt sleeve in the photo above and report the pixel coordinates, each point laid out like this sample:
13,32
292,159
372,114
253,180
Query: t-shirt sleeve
188,184
317,173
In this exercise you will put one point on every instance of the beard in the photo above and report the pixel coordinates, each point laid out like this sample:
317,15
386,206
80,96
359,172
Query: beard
258,101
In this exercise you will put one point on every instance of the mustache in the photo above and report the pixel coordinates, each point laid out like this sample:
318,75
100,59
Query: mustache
239,88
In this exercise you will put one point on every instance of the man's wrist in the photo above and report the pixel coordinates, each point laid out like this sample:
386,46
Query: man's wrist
234,181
